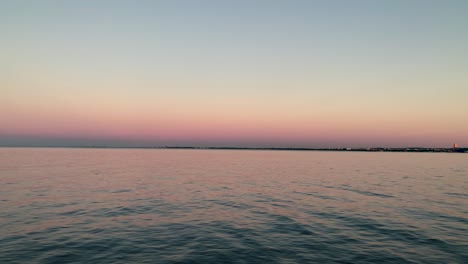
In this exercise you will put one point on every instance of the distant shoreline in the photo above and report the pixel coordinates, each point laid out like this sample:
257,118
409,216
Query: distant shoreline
378,149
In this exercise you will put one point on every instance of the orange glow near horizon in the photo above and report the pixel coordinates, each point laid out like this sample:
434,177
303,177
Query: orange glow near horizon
230,127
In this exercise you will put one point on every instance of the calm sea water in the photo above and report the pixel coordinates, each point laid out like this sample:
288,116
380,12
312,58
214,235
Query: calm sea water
220,206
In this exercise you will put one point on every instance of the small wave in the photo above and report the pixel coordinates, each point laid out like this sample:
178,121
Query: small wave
121,191
458,194
368,193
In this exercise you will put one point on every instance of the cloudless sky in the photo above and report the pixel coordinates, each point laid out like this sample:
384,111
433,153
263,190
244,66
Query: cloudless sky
234,73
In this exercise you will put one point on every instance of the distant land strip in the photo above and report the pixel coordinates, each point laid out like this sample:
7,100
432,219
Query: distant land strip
378,149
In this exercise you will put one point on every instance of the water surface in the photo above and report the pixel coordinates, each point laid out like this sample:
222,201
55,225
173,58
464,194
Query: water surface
231,206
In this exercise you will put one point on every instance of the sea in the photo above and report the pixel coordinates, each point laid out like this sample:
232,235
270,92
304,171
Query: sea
84,205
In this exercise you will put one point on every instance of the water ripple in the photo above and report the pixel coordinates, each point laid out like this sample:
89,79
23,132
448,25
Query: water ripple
136,206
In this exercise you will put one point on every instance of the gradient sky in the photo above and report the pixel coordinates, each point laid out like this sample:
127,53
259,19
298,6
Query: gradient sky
234,73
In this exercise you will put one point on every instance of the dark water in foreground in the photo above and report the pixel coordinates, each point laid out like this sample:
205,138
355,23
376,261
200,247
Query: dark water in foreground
218,206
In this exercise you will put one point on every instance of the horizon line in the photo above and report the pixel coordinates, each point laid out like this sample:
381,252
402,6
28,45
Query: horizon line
363,149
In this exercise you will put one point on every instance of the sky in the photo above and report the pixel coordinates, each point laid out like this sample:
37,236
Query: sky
234,73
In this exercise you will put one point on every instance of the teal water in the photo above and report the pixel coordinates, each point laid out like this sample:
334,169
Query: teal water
220,206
